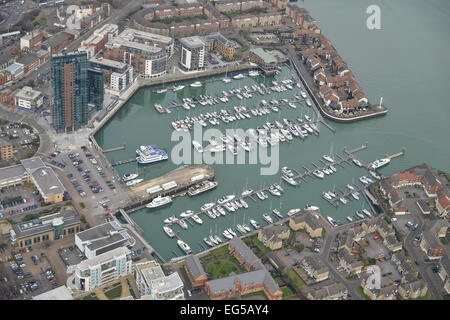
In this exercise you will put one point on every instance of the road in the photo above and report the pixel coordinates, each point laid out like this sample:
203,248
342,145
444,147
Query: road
14,13
434,285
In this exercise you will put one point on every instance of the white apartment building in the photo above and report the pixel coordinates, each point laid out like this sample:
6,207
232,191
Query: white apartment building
103,269
153,284
193,53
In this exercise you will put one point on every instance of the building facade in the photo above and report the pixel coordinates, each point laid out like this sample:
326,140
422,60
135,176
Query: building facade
69,73
193,53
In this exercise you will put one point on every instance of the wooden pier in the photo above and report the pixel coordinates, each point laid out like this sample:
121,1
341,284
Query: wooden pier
114,149
118,163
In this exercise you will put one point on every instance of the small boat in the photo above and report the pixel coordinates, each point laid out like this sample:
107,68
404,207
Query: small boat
350,187
225,199
239,76
260,195
318,173
312,208
184,246
328,158
161,90
363,179
241,229
226,80
218,239
133,182
359,214
171,219
231,231
244,203
343,200
183,224
238,203
327,196
197,219
332,221
169,231
129,176
379,163
209,243
177,88
221,210
227,235
277,213
210,214
213,239
293,211
229,207
349,219
198,147
159,202
367,212
375,175
186,213
255,224
355,195
196,84
357,162
267,218
246,227
207,206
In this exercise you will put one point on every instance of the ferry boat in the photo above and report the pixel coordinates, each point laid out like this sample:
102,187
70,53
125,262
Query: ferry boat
255,224
355,161
133,182
328,158
367,212
247,192
208,242
380,163
150,154
312,208
318,174
207,206
293,211
201,187
239,76
225,199
359,214
184,246
197,219
159,202
129,176
177,88
267,218
349,219
196,84
198,147
332,221
171,219
355,195
169,231
227,235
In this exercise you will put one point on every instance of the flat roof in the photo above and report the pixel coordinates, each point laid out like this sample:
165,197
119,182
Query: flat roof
104,257
27,93
156,279
130,34
108,62
193,42
47,181
32,164
267,58
60,293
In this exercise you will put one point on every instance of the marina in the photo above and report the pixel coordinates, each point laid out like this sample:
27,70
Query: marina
232,179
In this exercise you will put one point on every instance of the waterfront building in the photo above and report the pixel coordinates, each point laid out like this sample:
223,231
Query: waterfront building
308,223
103,238
193,53
195,271
264,60
153,284
147,53
118,76
47,228
273,235
70,93
244,254
103,269
33,170
217,42
96,87
28,99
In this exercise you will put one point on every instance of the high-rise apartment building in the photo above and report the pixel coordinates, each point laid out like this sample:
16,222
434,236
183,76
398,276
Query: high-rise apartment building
70,94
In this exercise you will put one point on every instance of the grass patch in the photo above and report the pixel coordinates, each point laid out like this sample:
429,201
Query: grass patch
362,294
295,280
260,245
221,269
185,275
220,251
114,292
287,292
91,296
256,293
82,205
279,281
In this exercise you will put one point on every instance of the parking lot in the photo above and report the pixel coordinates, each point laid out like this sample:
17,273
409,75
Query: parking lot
19,200
376,248
22,139
405,224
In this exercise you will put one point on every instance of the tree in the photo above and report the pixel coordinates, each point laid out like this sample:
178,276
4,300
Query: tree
299,247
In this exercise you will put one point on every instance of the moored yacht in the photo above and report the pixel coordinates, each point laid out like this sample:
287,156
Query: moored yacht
129,176
169,231
133,182
293,211
379,163
255,224
184,246
197,219
196,84
267,218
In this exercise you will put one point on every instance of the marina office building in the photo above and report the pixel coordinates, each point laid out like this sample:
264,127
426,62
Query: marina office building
33,170
193,52
48,228
103,269
153,284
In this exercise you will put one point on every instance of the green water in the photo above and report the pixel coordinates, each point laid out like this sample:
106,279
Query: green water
395,62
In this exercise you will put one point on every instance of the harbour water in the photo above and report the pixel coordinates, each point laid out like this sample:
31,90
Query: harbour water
395,62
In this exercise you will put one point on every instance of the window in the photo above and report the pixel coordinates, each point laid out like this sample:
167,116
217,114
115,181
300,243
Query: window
45,237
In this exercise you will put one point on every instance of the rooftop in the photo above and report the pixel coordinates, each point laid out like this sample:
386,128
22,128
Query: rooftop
60,293
195,267
27,93
193,42
104,257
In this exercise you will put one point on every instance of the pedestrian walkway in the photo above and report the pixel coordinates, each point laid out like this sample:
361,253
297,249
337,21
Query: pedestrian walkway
100,294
